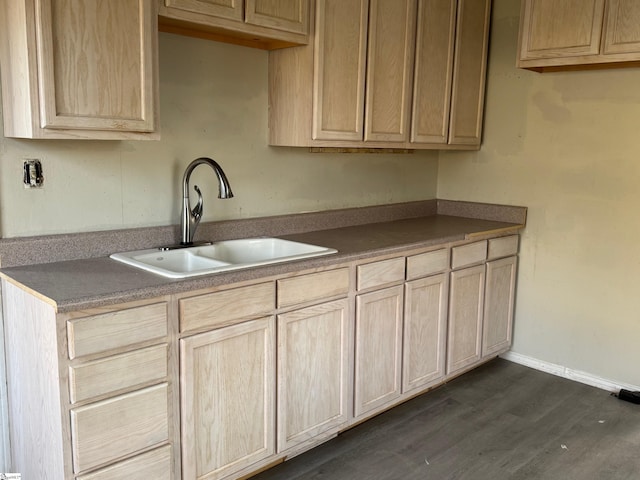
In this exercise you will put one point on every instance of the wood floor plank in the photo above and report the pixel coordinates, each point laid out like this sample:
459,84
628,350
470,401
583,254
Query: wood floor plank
500,421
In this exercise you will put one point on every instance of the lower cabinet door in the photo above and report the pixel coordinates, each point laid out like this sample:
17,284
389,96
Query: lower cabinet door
466,298
499,301
425,332
228,399
378,356
313,372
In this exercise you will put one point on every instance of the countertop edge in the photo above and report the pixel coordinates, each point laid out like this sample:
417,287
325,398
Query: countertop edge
40,279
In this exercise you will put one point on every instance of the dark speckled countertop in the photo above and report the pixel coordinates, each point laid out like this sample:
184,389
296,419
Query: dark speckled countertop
92,282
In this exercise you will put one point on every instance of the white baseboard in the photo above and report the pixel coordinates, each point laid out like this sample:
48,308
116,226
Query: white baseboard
565,372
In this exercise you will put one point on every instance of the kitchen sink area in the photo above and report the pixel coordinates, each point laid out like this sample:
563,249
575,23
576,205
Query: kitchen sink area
153,335
221,256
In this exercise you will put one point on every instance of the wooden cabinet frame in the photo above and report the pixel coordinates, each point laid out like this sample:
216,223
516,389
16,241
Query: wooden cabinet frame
91,75
584,33
328,94
265,24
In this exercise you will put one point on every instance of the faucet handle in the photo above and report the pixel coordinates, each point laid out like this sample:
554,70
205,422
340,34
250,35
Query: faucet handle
197,210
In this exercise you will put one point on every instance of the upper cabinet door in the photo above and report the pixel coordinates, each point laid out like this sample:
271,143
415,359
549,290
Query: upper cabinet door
391,47
96,64
287,15
339,59
433,71
622,27
232,9
469,72
552,28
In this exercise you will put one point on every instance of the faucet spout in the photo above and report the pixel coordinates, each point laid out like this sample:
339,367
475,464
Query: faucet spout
191,217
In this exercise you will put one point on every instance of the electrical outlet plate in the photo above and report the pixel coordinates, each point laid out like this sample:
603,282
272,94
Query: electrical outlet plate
32,177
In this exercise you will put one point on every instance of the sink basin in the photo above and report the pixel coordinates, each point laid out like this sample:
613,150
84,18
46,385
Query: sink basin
221,256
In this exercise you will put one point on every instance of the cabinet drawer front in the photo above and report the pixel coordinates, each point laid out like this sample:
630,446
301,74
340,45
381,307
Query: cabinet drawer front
314,286
227,306
380,273
118,329
155,465
117,373
427,263
503,247
108,430
468,254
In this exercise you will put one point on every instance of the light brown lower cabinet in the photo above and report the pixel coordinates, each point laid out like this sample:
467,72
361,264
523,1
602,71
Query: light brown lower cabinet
466,297
499,304
313,372
218,384
378,350
90,393
227,399
425,332
481,302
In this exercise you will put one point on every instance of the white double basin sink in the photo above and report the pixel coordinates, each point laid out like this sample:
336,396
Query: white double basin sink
220,256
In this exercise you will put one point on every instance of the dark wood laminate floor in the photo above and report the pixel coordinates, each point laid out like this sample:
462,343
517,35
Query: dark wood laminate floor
500,421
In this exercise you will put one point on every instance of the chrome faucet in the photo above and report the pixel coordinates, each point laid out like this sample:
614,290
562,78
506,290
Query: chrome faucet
191,218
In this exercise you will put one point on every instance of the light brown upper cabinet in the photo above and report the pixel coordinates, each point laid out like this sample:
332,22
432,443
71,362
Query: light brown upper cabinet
79,69
383,74
266,24
570,33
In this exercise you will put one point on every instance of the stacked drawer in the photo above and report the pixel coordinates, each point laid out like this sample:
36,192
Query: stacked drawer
119,394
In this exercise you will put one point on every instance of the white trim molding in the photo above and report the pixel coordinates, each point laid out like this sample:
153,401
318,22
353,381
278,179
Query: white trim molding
565,372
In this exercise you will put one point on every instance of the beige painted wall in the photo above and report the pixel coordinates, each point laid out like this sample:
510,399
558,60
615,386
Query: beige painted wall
567,145
213,103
